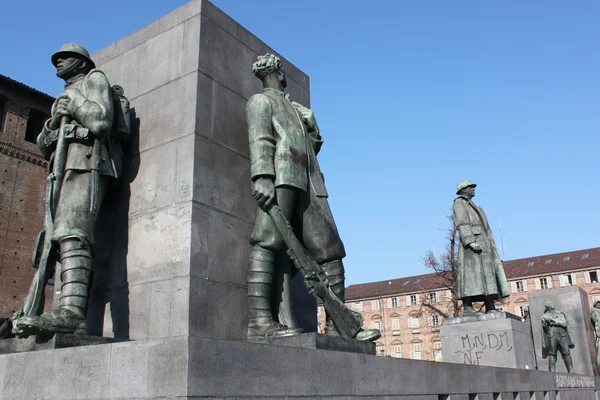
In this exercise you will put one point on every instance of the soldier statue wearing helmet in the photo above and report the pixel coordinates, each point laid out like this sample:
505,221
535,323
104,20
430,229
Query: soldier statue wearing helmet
480,275
85,157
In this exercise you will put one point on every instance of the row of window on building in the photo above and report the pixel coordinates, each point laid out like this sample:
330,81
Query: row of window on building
414,322
416,352
393,302
516,287
563,280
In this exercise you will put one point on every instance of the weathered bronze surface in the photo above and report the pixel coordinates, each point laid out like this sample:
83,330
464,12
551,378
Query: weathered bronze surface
556,337
480,274
284,141
82,142
596,325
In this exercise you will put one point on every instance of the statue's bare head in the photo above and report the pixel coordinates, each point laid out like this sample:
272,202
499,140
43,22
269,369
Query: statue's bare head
549,305
269,70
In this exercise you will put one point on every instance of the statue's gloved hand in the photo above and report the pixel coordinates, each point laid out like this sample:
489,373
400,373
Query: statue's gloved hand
264,192
308,117
476,247
62,102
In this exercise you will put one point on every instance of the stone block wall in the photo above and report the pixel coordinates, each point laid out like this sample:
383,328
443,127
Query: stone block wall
181,269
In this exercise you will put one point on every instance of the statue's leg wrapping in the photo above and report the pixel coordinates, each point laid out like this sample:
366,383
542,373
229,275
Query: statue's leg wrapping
260,282
260,290
335,275
76,271
568,363
552,363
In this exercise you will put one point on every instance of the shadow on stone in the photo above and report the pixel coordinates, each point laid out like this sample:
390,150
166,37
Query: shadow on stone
110,285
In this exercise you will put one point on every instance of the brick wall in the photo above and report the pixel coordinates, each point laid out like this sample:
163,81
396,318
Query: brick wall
22,180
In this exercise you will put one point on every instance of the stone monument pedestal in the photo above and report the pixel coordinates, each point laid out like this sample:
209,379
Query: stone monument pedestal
573,301
322,342
58,341
499,339
193,368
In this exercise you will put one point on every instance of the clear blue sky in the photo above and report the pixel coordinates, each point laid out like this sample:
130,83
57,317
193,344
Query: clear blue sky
411,96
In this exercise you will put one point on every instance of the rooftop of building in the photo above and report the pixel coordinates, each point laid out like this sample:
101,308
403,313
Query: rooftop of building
519,268
9,81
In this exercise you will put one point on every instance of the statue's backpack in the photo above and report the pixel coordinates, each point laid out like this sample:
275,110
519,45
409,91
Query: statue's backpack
121,120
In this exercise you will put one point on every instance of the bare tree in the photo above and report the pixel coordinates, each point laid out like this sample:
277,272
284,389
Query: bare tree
445,270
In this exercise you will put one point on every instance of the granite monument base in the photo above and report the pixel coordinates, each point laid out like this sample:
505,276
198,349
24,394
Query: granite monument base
498,339
321,342
573,301
200,368
58,341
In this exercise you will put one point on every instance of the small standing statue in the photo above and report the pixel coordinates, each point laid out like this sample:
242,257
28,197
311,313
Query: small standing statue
82,142
288,185
480,274
596,324
556,336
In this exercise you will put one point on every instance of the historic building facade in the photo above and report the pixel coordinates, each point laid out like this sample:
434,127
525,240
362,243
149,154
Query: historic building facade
409,311
23,110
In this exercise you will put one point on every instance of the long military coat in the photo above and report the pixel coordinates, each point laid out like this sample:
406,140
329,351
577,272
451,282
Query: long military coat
92,111
281,148
88,132
480,274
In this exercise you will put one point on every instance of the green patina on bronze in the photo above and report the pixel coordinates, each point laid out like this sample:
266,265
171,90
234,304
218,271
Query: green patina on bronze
284,141
556,337
82,141
480,274
596,325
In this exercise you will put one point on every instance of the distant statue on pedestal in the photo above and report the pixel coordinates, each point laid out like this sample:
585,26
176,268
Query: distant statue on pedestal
556,337
480,274
596,324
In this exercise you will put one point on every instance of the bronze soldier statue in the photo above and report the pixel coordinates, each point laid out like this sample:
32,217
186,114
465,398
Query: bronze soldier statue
83,146
596,325
480,275
284,141
556,336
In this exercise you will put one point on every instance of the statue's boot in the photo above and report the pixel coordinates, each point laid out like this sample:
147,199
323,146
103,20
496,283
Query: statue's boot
70,315
335,277
552,363
468,307
260,286
568,363
490,305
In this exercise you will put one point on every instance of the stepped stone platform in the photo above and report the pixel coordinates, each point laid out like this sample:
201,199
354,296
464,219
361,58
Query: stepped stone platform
200,368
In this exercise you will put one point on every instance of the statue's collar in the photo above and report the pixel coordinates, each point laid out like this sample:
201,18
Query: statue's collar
74,79
274,91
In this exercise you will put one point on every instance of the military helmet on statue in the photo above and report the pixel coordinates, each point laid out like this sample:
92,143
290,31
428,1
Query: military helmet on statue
463,184
72,49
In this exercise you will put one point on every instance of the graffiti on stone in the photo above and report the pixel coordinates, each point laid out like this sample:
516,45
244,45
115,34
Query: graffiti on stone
476,346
